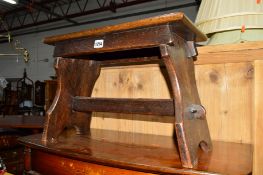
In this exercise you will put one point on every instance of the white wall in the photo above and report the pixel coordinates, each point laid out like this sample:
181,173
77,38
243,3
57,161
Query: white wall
39,70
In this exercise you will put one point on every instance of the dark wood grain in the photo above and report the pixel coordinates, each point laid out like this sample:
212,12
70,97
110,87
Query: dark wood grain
19,121
109,152
116,41
190,131
161,107
75,78
13,159
158,20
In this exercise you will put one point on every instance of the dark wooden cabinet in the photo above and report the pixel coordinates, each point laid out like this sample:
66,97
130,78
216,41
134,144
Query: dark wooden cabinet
11,152
11,128
13,159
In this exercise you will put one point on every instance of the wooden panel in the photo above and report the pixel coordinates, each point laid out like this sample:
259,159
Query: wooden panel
230,53
132,82
258,119
249,45
225,90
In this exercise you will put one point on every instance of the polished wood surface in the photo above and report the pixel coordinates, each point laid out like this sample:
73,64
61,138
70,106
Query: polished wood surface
158,20
20,121
131,151
53,164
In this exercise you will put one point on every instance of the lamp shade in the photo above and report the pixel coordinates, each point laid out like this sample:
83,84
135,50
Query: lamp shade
222,15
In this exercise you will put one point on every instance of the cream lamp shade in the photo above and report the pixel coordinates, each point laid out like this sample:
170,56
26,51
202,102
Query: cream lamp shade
231,21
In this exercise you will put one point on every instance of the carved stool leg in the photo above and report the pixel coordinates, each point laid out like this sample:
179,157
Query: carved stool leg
76,77
190,120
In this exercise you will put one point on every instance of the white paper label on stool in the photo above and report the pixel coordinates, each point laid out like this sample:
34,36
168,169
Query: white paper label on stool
98,43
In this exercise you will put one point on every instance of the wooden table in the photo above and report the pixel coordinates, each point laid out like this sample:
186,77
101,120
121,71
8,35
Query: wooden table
22,122
30,124
110,153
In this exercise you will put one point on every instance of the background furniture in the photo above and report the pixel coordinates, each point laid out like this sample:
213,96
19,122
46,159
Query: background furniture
50,92
10,101
11,152
22,122
40,97
12,127
25,95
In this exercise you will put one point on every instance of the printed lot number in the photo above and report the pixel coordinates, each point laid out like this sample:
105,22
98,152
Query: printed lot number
98,43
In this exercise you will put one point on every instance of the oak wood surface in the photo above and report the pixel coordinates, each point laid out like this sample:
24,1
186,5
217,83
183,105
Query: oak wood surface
168,18
140,152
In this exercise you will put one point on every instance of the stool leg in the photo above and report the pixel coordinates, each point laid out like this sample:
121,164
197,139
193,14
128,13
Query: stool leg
190,121
76,77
